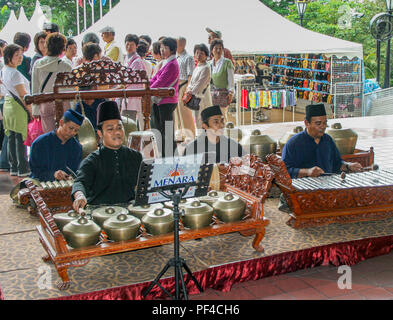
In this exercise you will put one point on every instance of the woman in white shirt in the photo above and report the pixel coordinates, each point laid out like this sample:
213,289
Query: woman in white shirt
4,165
199,84
16,114
43,79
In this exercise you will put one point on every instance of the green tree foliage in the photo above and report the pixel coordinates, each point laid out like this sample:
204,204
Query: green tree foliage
63,12
279,6
334,18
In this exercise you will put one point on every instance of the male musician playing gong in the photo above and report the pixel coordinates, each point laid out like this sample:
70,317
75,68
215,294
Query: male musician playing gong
312,152
53,154
213,138
109,174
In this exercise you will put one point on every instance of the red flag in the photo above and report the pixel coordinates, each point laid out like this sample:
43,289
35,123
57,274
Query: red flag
80,3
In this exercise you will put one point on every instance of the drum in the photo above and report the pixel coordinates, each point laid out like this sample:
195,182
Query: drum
144,142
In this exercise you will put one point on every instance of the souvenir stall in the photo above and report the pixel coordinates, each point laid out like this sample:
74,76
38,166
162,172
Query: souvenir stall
302,79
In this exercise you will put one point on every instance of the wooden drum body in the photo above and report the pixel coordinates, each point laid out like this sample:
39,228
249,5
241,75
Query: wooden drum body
363,196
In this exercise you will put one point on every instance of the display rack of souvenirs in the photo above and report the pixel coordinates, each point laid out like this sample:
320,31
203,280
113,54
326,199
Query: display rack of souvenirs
245,64
308,74
256,96
311,74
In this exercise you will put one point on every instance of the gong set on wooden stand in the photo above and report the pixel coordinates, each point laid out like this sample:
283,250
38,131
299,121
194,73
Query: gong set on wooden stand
71,238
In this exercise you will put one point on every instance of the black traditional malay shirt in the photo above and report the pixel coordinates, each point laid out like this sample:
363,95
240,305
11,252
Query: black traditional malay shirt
108,176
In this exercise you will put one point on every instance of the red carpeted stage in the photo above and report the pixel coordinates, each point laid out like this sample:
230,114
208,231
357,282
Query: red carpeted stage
217,262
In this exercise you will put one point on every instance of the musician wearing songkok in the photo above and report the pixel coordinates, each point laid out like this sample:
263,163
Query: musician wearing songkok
213,139
52,152
312,152
109,174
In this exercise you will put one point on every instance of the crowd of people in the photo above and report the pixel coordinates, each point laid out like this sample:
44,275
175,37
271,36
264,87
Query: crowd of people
207,76
204,87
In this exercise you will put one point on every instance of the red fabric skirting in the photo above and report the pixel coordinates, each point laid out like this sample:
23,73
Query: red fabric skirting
225,276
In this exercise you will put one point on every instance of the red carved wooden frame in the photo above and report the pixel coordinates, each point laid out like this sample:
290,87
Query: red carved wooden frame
319,207
101,73
64,257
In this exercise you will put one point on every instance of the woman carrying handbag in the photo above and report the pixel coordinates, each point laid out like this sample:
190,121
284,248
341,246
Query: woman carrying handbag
16,115
199,86
223,80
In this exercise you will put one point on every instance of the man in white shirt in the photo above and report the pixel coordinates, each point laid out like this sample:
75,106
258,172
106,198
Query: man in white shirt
70,51
184,119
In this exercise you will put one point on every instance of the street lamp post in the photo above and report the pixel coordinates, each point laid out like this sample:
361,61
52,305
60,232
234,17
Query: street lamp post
301,9
389,8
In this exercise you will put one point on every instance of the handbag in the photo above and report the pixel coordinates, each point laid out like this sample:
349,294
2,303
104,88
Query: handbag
220,97
191,101
34,130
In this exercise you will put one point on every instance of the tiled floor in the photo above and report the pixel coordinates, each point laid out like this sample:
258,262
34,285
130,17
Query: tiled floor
370,280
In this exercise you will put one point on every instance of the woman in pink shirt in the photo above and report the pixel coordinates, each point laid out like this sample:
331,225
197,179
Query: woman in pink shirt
162,111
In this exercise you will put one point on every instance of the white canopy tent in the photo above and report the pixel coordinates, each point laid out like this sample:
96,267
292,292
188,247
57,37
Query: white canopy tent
38,18
22,24
247,26
22,19
12,24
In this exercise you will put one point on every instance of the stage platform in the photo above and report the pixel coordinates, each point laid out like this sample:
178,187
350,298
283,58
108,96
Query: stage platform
218,262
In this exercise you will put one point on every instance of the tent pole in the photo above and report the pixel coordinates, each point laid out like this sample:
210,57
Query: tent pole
84,13
77,17
92,11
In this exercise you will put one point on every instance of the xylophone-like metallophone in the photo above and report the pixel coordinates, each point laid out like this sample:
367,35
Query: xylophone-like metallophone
56,194
314,201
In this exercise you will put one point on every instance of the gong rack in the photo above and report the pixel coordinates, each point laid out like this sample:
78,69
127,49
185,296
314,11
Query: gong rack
104,74
348,202
63,256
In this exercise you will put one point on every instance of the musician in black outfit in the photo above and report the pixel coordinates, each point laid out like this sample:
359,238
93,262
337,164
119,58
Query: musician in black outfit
213,138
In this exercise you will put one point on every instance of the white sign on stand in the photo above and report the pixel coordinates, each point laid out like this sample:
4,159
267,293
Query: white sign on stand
174,171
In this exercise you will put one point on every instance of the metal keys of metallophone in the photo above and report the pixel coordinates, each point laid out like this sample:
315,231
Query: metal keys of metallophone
56,184
343,181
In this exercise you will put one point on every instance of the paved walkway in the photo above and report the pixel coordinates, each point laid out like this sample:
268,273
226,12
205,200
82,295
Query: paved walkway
372,279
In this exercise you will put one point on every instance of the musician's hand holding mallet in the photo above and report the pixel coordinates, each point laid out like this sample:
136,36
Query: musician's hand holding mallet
61,175
353,166
315,172
80,201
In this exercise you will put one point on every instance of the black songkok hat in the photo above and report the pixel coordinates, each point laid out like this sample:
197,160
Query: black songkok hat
108,110
209,112
315,110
